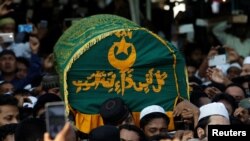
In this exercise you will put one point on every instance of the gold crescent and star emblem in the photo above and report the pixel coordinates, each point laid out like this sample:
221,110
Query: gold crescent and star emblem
122,46
122,64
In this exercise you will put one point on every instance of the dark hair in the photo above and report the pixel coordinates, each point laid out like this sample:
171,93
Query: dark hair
237,85
8,100
159,137
219,86
2,84
30,130
230,99
148,118
42,100
202,123
235,121
195,79
134,128
195,96
7,52
24,61
6,130
104,133
22,92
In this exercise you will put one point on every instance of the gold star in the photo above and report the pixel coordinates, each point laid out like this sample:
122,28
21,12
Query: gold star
122,46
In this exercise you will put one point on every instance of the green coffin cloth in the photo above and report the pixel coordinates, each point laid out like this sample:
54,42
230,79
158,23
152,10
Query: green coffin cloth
105,56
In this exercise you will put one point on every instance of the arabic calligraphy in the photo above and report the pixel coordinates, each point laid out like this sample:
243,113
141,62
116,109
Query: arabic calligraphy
154,80
119,83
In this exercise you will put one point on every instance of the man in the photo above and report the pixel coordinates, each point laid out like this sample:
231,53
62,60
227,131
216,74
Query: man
131,133
6,88
30,129
9,112
115,112
7,132
154,121
211,114
243,111
8,69
104,133
236,91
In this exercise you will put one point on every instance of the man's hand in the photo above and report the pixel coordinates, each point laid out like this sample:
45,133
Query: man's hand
66,134
216,75
48,62
212,92
242,114
187,110
4,8
34,44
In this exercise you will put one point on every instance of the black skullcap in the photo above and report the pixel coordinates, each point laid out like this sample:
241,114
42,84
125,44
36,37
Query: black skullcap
7,52
105,133
113,111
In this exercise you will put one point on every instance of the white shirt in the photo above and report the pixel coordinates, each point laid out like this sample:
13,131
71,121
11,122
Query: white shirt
20,49
242,48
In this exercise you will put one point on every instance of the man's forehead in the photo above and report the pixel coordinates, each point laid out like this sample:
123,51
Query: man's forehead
246,66
8,108
7,56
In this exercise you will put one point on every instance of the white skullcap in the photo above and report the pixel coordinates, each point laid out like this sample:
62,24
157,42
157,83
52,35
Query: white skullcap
151,109
246,60
32,102
236,65
214,108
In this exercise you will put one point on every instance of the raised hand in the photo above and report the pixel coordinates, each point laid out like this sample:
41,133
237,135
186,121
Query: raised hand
4,8
66,134
216,75
34,44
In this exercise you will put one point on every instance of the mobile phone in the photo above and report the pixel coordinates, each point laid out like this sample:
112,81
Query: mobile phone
6,37
55,117
217,60
28,28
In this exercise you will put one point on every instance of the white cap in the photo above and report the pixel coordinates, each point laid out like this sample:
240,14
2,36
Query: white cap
32,102
214,108
246,60
151,109
236,65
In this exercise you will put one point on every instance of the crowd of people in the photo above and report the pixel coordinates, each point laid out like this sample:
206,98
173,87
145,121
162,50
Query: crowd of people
219,95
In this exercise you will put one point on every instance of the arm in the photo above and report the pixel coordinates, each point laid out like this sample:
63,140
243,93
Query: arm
219,31
201,73
3,8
